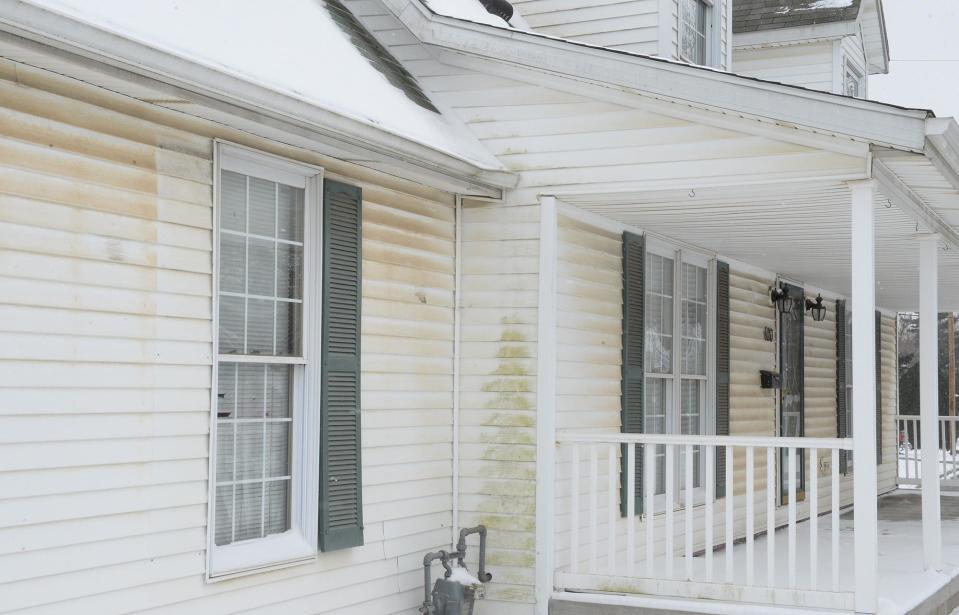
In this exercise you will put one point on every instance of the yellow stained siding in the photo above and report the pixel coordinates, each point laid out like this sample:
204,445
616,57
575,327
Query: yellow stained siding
498,393
105,336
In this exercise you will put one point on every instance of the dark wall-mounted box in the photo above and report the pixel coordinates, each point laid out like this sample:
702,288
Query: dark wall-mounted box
770,380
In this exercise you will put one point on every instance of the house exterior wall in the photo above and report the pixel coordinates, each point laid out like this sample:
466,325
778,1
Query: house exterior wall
638,26
810,65
105,259
497,461
589,307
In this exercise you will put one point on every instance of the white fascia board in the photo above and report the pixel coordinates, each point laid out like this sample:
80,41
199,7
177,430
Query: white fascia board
942,147
794,36
906,199
63,34
789,106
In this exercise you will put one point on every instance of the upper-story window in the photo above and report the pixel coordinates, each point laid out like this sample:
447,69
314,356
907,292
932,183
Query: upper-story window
693,30
853,82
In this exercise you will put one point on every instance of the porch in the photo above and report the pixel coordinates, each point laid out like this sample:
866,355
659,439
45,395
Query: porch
671,511
699,558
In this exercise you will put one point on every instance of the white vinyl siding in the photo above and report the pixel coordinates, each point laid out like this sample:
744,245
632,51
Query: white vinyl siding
107,322
810,65
632,25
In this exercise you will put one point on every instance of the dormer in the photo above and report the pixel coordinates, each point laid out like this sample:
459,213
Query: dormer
829,45
694,31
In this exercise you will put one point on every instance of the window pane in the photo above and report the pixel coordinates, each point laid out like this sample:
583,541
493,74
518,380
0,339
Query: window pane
232,263
262,207
655,422
290,213
259,327
251,388
231,325
223,516
289,272
659,314
233,201
279,385
277,507
249,450
277,449
249,511
694,324
262,267
224,451
226,391
691,422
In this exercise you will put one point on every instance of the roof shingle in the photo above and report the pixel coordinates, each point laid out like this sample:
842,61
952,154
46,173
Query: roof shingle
756,15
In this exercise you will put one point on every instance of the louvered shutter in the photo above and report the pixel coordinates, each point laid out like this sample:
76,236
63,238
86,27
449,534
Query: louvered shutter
878,387
842,427
633,374
722,371
341,505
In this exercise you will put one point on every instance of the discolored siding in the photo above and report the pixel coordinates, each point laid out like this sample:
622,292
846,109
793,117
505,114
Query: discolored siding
498,393
105,323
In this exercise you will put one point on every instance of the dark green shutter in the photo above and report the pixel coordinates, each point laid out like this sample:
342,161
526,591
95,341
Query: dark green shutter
842,427
722,371
633,375
341,503
878,387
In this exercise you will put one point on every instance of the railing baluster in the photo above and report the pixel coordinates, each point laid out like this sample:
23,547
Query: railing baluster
631,509
649,505
710,452
771,516
574,512
813,517
792,516
730,508
688,543
611,512
750,530
942,450
835,519
670,504
593,504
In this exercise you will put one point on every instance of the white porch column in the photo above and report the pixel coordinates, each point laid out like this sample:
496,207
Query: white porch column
864,395
546,404
929,400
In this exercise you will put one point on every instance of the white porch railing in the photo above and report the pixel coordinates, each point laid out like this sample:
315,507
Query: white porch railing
909,470
687,543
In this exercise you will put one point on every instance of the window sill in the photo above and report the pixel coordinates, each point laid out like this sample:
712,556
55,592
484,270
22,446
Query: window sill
263,554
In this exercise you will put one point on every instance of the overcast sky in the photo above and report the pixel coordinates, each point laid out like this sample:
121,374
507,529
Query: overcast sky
924,45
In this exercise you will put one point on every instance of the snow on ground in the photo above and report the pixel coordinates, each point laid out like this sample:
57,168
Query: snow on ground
910,464
291,47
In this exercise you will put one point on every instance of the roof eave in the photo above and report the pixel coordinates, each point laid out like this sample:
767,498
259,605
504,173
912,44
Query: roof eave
86,41
786,105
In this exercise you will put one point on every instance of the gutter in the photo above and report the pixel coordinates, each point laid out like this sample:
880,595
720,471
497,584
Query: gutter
651,77
243,97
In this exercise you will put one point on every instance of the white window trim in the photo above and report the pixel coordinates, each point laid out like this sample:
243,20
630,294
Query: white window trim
299,544
680,255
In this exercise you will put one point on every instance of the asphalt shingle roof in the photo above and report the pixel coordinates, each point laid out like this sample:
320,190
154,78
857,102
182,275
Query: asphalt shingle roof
756,15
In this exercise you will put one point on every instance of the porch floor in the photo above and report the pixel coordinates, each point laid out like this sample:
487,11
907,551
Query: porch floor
904,588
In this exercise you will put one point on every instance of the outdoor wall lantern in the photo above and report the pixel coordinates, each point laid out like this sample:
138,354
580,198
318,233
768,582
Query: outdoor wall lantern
817,308
781,299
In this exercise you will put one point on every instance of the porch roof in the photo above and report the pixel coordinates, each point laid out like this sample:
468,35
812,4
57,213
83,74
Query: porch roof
801,231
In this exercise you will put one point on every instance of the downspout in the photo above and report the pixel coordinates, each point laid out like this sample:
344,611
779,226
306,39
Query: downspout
457,310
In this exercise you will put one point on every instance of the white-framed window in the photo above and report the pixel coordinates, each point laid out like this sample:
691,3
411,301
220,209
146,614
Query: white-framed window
264,472
853,81
695,30
678,339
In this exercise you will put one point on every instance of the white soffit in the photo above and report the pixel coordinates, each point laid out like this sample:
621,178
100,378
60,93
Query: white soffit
800,231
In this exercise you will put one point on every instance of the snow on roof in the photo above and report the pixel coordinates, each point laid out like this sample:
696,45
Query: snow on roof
756,15
300,48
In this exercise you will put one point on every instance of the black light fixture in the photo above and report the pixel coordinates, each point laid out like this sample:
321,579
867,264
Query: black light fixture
817,308
781,299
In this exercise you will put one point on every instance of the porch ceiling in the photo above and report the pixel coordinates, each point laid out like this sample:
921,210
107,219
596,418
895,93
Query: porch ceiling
800,231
